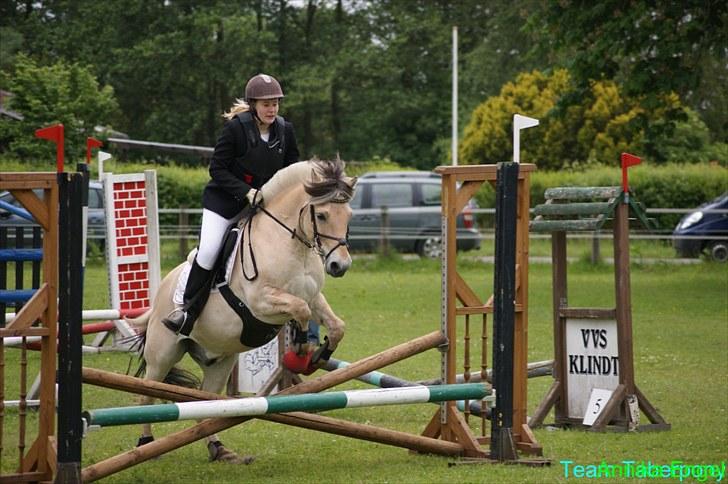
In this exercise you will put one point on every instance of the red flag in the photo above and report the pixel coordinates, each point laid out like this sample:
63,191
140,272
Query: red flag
627,161
90,144
55,134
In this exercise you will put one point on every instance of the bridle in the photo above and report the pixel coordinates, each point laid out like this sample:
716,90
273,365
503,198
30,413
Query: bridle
317,236
314,243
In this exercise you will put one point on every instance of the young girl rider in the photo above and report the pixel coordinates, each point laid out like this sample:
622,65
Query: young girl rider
255,143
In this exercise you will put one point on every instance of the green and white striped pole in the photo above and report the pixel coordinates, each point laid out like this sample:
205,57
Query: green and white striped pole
253,406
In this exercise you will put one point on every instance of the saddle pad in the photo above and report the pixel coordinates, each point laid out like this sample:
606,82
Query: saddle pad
179,292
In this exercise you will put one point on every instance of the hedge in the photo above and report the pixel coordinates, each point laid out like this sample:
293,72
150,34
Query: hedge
663,186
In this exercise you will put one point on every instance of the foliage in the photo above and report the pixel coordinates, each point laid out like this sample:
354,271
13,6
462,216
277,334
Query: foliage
487,137
372,78
604,124
651,49
58,93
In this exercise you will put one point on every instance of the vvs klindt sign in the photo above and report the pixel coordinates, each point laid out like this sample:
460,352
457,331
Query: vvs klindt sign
592,361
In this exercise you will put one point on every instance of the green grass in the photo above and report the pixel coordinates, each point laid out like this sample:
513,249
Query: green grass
680,316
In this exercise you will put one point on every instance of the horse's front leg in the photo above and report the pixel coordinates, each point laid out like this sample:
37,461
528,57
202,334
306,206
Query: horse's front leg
273,302
334,325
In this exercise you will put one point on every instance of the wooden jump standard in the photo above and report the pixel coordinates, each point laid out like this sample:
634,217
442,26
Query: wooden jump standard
459,185
48,314
586,209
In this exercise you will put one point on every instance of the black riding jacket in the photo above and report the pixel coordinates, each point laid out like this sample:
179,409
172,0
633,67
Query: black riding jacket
236,167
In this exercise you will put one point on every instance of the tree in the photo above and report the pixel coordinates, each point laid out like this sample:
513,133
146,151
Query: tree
58,93
651,49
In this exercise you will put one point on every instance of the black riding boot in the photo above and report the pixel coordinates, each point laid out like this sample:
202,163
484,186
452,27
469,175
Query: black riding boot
197,291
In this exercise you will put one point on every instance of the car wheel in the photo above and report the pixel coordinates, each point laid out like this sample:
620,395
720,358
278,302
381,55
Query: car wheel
719,251
430,247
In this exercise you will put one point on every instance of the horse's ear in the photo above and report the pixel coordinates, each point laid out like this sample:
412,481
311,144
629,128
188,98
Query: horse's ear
351,181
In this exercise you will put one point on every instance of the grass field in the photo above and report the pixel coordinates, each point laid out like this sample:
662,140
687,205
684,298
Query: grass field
680,316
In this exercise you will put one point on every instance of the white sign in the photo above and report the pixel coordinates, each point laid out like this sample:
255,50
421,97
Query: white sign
597,402
592,361
256,366
520,122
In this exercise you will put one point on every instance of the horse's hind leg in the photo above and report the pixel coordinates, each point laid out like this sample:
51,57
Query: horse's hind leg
161,353
215,376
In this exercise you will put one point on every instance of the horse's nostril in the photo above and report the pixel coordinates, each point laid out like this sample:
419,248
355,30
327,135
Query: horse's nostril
334,267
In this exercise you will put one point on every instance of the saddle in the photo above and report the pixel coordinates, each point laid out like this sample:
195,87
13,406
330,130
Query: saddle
255,332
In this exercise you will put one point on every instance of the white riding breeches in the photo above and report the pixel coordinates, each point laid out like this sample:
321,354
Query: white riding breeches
212,232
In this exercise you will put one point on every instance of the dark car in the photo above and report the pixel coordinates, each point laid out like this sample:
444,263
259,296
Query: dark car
704,230
412,201
96,216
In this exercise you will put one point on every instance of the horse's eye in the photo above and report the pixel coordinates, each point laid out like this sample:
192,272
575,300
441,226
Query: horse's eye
321,217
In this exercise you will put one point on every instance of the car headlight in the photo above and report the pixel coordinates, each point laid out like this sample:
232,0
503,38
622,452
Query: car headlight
690,220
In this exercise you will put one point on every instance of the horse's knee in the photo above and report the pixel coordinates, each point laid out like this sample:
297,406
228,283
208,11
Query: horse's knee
336,334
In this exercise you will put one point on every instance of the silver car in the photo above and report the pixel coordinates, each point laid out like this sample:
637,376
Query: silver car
410,203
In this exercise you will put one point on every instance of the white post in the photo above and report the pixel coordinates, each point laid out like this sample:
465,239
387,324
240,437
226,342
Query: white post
519,123
454,147
103,156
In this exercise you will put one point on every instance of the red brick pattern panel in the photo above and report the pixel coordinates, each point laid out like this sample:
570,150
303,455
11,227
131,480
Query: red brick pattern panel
130,214
134,285
130,210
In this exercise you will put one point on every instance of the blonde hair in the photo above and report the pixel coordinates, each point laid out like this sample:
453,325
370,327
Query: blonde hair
240,106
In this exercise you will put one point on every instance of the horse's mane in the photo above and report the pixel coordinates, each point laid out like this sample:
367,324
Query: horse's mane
324,181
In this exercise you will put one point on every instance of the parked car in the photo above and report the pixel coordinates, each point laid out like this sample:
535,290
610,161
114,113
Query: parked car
412,199
707,231
96,216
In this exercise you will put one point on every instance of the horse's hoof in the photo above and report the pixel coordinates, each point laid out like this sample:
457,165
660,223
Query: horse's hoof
218,453
144,439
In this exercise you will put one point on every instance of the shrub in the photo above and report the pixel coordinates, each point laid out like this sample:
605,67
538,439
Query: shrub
593,131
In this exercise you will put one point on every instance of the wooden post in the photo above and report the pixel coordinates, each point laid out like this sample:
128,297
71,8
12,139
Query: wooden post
70,339
183,223
384,232
502,446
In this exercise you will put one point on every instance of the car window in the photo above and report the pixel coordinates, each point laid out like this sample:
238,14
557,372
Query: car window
356,200
430,194
392,195
95,198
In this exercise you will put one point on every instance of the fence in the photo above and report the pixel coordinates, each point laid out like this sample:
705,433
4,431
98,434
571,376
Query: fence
186,229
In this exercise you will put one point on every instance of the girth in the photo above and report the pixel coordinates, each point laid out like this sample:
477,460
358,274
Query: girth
255,332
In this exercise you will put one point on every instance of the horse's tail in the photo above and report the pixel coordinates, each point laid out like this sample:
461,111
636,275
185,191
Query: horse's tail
139,323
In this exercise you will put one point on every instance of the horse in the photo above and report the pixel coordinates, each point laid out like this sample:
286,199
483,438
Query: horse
298,233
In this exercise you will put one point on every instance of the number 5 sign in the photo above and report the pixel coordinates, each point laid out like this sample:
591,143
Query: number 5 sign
598,399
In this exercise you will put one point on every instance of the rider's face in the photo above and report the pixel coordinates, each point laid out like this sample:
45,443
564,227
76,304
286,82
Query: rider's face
267,110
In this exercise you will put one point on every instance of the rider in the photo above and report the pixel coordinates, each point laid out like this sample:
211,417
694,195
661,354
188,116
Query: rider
255,143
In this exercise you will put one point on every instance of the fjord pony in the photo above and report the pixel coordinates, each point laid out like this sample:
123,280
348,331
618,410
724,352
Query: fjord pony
278,273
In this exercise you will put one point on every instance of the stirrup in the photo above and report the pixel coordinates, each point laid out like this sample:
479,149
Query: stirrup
175,320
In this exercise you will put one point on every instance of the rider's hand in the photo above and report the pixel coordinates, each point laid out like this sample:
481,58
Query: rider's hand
255,197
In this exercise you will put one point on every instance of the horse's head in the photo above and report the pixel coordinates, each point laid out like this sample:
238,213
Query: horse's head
329,214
